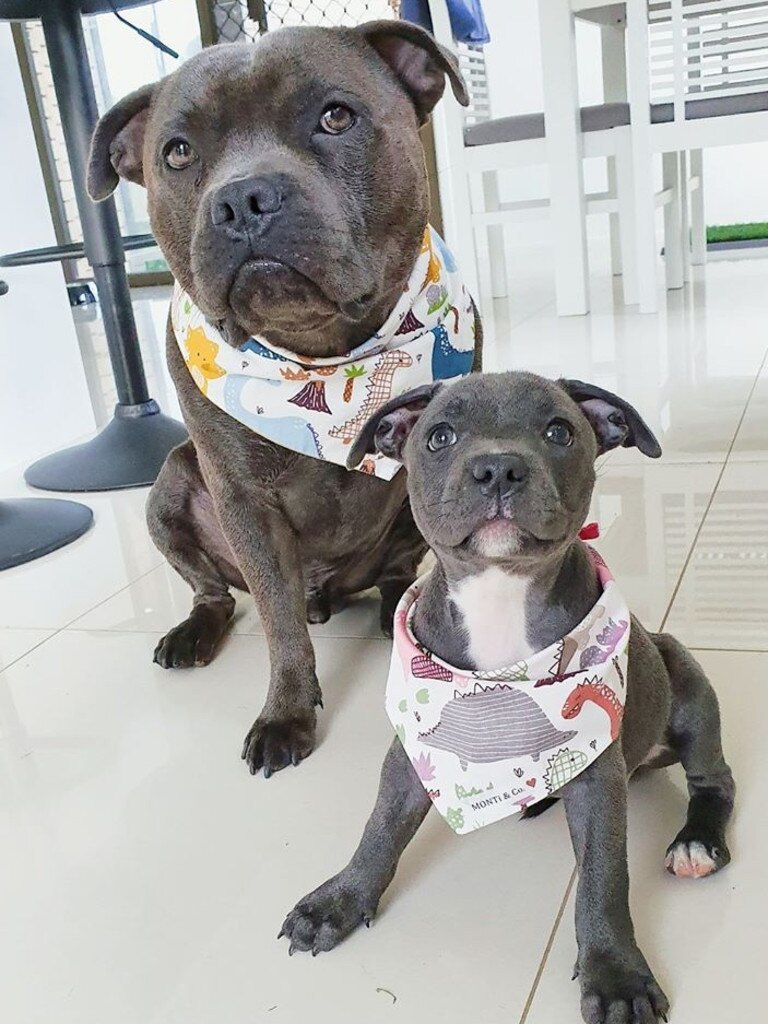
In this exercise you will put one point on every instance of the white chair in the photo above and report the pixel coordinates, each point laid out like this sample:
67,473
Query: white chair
471,149
697,73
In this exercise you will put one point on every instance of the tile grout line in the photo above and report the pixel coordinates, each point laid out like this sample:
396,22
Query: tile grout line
715,489
547,949
731,650
80,615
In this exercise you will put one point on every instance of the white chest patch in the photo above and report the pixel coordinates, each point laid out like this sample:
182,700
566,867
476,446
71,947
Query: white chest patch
492,605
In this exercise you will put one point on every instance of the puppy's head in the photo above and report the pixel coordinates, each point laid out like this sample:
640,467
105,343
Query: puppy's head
286,178
501,466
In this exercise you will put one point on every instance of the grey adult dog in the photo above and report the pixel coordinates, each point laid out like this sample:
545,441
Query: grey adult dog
500,474
288,193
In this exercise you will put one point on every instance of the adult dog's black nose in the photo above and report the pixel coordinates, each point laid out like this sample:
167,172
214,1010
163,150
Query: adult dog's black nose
499,474
246,204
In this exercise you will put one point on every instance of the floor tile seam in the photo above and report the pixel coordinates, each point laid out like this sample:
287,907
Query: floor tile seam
67,627
713,494
548,948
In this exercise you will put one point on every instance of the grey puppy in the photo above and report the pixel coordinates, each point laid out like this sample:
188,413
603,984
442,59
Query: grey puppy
288,192
500,474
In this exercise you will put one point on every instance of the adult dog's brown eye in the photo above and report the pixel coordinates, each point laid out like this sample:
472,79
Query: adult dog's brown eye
179,155
336,119
559,432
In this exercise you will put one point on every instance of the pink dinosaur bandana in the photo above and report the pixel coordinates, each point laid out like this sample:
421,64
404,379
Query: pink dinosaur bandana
317,407
487,744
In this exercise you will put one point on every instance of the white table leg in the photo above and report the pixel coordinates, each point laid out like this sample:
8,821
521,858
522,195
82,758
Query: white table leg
642,156
614,91
497,255
673,230
625,192
698,220
565,158
685,216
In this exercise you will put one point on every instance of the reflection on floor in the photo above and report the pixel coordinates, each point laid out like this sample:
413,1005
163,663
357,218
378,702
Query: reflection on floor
144,874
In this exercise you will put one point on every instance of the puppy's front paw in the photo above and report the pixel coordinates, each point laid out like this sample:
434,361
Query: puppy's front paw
692,856
321,920
615,990
274,743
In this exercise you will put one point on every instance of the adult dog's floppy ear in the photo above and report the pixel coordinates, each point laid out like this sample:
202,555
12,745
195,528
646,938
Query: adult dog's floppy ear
118,143
614,421
418,60
390,427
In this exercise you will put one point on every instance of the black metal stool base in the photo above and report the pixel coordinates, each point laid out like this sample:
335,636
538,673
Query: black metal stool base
128,452
32,527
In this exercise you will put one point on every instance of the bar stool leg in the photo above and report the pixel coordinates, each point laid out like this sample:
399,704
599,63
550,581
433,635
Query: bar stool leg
131,449
31,527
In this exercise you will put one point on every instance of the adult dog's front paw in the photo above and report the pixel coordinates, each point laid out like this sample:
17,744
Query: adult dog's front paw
321,920
274,743
620,990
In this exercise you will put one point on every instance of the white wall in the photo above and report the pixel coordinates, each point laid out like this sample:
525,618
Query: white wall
43,396
735,189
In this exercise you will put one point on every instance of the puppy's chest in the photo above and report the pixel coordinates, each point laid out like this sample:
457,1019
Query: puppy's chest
492,606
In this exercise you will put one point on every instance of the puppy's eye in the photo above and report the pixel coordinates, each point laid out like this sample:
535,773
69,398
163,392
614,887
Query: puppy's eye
443,436
179,154
559,432
336,119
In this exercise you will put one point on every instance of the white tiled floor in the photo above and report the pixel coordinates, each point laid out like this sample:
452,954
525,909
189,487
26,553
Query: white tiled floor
144,874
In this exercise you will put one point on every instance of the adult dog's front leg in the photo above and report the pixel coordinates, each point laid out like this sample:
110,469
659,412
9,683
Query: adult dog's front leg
267,553
617,986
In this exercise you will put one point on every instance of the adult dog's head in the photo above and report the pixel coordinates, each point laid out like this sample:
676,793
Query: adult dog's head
286,178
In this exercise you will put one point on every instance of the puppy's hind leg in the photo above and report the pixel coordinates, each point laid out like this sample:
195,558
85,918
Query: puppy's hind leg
699,848
184,528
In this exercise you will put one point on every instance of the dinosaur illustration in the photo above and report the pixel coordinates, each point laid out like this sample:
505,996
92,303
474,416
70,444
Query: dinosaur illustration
492,725
201,358
448,361
562,767
433,267
517,673
378,390
599,694
608,638
446,255
252,345
289,431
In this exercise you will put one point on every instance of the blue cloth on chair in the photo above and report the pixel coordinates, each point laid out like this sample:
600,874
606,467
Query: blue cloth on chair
467,20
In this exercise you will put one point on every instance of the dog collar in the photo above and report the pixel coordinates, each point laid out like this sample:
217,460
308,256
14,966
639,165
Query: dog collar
317,407
485,745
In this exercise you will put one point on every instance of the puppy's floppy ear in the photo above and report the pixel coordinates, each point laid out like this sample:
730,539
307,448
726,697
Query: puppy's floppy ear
418,60
614,421
118,142
390,426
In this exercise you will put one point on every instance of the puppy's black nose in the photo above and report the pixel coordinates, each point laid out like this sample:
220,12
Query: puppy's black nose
245,204
499,474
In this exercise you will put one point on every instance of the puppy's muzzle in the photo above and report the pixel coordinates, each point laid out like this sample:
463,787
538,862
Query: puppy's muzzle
498,475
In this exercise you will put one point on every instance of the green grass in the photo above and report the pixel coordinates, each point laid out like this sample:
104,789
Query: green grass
737,232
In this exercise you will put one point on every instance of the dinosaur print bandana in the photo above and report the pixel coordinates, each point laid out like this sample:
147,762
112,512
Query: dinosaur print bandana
487,744
317,407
